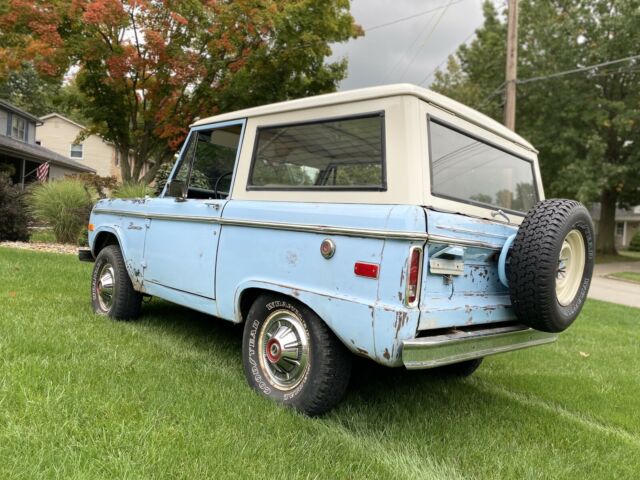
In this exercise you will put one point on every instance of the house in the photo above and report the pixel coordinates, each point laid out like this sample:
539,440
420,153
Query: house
627,224
59,134
21,154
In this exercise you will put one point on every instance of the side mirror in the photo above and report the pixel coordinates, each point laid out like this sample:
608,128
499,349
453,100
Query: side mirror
177,189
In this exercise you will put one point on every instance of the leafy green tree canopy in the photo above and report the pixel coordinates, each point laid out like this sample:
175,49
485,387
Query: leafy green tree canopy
585,124
147,69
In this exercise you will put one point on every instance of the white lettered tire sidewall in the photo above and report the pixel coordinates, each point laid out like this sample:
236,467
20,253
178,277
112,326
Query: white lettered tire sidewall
328,362
261,381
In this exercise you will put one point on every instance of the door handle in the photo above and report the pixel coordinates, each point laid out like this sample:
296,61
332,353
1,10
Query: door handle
213,205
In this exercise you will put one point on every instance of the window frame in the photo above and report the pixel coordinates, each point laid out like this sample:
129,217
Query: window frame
466,133
81,145
313,188
25,129
185,148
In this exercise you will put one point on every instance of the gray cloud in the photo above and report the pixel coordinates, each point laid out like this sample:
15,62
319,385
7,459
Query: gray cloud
407,51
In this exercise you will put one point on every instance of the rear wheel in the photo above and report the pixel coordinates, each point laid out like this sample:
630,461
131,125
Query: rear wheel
291,356
112,292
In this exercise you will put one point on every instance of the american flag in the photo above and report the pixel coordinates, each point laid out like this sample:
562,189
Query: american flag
42,171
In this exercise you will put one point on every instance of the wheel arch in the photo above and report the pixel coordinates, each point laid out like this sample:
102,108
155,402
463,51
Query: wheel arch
104,238
329,309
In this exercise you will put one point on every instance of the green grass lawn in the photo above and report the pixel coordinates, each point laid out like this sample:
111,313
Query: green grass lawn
44,235
622,256
633,276
164,397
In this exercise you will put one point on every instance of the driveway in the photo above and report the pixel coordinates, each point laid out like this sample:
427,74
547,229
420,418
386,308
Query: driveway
615,291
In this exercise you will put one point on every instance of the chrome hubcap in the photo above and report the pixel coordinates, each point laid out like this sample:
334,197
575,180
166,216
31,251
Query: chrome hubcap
571,265
284,349
105,288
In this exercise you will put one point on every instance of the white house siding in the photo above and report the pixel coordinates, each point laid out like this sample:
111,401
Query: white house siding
57,134
3,122
56,171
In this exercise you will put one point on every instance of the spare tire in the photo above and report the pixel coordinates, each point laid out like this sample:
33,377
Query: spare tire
551,264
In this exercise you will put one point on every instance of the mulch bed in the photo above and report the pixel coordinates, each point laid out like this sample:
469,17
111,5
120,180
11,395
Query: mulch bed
43,247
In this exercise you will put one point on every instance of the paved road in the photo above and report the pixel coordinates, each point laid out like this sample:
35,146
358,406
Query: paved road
616,291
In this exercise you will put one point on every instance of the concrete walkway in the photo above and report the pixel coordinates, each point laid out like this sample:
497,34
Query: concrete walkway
615,291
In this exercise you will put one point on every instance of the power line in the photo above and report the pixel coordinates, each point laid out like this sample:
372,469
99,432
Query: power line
428,37
410,17
578,70
446,58
410,49
565,72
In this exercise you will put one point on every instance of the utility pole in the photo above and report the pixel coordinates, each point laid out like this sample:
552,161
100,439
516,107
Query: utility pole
511,73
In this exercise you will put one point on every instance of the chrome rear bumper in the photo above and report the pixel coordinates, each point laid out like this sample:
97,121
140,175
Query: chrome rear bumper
458,346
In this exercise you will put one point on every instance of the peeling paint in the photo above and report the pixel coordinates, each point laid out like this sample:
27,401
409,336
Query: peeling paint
401,320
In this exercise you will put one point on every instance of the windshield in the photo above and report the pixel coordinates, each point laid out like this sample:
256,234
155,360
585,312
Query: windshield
467,169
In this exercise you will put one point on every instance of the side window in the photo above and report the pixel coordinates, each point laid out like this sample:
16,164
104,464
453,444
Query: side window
345,154
207,164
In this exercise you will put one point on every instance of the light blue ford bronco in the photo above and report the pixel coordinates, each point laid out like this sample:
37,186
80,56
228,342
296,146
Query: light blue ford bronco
390,222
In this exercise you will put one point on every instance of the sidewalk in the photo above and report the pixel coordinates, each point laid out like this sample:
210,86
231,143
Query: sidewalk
615,291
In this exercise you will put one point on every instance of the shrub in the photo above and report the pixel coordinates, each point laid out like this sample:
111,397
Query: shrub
14,216
634,245
102,185
162,175
64,205
198,178
132,190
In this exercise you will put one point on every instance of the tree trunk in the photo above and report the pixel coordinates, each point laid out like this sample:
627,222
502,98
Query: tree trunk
125,165
605,241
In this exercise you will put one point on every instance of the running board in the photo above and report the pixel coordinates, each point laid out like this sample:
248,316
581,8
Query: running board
460,345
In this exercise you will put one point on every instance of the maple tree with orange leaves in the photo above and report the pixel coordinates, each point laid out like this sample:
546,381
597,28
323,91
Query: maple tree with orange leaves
147,68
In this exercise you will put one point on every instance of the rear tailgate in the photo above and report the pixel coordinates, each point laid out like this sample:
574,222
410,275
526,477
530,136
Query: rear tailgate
460,284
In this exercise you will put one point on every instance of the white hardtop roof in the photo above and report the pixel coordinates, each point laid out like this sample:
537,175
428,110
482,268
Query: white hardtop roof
371,93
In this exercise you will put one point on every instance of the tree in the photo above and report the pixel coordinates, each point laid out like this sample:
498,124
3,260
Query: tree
586,124
147,69
38,95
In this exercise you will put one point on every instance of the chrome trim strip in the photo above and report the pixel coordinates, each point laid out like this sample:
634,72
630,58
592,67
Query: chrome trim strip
462,242
328,230
324,229
430,352
472,232
309,228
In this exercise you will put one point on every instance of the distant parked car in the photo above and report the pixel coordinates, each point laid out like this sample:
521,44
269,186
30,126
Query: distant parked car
390,223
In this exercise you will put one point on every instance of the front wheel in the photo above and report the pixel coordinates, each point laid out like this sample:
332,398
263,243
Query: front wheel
112,292
290,356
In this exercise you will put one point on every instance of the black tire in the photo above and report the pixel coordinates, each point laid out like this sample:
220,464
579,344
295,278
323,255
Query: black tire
313,389
534,265
459,370
125,303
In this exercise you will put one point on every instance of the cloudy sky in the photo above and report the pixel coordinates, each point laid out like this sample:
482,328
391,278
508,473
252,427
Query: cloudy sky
410,50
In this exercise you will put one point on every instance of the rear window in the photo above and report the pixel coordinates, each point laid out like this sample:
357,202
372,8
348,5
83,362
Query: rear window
337,154
466,169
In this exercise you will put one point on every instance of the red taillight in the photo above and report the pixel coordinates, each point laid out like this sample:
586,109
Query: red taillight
413,280
369,270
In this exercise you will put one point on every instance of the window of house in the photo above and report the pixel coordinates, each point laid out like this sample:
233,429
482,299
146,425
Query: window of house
76,151
339,154
619,229
19,128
